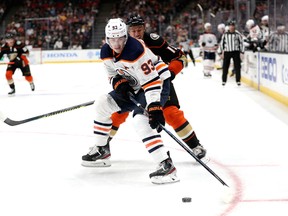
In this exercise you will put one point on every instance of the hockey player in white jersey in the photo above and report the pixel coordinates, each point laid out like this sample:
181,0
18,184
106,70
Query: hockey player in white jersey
255,38
131,67
265,27
208,46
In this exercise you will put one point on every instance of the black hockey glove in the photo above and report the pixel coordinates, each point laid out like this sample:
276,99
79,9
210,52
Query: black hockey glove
121,86
156,116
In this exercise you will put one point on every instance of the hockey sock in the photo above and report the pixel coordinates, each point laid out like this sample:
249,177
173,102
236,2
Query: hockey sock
180,124
101,131
117,120
104,107
186,133
9,78
12,86
29,78
151,139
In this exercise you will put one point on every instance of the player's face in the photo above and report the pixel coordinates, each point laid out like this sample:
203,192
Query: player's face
209,29
10,42
265,22
137,31
117,44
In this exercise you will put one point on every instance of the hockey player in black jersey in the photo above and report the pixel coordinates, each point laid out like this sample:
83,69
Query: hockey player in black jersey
176,61
17,54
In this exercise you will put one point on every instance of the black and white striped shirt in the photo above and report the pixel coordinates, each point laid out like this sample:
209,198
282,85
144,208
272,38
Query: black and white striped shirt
231,41
278,42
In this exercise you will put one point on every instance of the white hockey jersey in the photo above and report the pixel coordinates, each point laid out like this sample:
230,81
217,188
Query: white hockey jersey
255,33
208,42
139,66
185,46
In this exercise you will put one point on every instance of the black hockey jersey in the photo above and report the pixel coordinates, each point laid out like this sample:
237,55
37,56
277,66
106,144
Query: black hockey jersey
13,53
161,48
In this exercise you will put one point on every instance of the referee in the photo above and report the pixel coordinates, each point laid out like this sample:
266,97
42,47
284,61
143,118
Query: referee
231,46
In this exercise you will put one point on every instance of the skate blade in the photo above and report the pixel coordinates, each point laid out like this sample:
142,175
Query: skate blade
98,163
168,179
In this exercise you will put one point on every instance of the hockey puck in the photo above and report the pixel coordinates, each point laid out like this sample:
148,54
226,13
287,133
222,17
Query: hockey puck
186,199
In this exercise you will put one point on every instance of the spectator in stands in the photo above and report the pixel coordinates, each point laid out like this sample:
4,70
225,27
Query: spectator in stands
103,41
58,44
68,19
66,42
1,10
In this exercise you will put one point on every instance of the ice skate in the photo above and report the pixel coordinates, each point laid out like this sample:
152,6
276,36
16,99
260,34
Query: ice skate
165,173
97,157
200,153
12,92
207,75
32,86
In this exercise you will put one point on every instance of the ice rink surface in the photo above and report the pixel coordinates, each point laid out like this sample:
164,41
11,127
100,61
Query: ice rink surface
244,131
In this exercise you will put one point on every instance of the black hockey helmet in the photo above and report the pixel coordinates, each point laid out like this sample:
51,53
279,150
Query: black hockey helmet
135,20
9,35
231,22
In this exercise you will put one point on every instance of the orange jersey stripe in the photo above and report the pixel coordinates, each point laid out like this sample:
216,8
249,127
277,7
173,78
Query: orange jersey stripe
153,143
155,83
101,128
160,66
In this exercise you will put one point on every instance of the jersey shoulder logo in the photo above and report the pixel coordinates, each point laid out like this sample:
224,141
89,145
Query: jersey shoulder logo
127,75
154,36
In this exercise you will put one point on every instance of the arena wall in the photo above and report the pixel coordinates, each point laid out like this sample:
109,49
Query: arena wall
267,72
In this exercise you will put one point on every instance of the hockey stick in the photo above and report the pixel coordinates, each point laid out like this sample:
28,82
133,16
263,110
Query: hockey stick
180,143
202,12
14,123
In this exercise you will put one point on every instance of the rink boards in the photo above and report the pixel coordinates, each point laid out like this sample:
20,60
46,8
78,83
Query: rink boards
267,72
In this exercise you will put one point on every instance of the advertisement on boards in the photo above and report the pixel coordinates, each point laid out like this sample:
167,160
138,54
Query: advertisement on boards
273,70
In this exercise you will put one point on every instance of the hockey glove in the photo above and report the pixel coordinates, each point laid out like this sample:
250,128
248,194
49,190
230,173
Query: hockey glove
156,116
121,86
